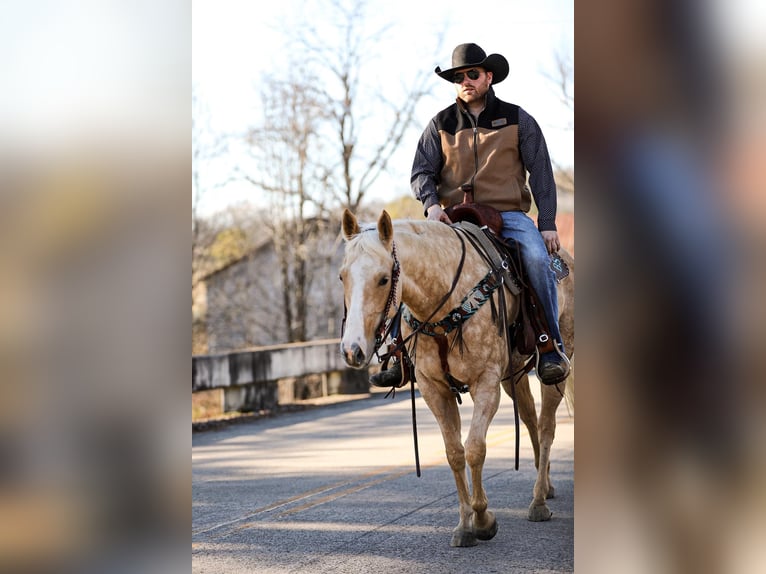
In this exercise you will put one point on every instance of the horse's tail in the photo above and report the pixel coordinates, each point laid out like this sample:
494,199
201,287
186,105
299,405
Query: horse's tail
569,388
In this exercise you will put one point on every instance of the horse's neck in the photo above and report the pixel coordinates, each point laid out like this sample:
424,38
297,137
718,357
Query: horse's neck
430,259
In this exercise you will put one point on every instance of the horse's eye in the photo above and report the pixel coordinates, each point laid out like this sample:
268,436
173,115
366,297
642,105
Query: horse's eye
383,281
341,278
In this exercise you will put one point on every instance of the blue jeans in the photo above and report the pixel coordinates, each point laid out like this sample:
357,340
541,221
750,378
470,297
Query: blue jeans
518,225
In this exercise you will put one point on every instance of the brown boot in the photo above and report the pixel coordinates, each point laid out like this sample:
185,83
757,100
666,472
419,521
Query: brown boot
552,368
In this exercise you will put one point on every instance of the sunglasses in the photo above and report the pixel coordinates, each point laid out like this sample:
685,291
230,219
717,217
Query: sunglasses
472,75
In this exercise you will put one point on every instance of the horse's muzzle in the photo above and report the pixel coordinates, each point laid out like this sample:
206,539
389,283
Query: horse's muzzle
353,355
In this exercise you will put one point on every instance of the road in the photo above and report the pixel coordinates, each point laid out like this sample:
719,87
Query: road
334,489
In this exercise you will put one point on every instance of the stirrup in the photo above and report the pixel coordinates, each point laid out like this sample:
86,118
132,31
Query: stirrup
567,366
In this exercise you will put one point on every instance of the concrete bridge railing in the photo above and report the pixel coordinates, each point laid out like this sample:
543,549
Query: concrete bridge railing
270,376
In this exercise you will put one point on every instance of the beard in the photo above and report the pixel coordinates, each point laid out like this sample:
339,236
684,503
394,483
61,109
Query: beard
473,92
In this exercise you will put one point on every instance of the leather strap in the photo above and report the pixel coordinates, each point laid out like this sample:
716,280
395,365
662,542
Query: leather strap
489,250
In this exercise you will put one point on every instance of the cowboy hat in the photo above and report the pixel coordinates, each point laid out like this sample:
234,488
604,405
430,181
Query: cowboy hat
468,55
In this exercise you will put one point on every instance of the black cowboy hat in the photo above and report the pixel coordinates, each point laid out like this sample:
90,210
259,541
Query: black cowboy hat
468,55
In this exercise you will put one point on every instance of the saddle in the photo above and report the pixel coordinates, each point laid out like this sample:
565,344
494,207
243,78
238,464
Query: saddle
483,225
476,213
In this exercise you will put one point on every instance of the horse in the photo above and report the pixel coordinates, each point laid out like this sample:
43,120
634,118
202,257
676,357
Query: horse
416,263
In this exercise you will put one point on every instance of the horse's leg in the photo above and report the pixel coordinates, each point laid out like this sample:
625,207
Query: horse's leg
538,509
525,403
445,410
486,398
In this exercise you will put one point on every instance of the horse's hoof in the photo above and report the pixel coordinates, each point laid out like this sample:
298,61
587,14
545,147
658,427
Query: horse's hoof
539,513
487,533
463,538
551,492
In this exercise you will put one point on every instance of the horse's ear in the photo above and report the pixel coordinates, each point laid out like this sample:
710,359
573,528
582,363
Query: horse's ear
350,225
385,228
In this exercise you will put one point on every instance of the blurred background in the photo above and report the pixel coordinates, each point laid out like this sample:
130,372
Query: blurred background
670,120
94,247
94,226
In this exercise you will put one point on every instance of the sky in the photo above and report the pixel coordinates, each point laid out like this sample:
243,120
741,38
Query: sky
234,41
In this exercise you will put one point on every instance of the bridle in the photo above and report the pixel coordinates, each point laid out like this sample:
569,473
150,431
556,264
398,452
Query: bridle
385,326
382,330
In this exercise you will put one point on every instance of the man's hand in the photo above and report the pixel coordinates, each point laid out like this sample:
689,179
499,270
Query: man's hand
436,213
551,239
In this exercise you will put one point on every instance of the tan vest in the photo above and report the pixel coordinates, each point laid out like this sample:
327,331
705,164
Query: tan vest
487,156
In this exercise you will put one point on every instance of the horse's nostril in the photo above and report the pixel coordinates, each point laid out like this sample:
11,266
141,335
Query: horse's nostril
353,355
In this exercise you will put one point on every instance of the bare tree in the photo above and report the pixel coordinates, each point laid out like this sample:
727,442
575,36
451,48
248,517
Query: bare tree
206,147
288,168
562,79
364,140
241,283
325,138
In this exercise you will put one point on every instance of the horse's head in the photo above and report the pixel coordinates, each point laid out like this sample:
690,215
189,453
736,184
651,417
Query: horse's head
370,287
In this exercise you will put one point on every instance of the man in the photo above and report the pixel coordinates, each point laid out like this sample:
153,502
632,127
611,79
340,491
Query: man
490,145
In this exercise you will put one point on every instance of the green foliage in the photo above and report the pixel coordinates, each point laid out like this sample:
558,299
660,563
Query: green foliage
229,245
405,207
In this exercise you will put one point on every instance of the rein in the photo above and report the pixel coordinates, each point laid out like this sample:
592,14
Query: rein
513,283
399,342
399,348
471,303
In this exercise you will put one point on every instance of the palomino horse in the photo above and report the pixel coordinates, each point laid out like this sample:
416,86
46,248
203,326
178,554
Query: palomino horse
416,262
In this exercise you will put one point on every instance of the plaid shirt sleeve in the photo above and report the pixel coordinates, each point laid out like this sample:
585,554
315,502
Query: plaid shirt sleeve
427,166
534,154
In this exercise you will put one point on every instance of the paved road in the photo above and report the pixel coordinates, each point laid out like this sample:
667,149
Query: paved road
334,489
